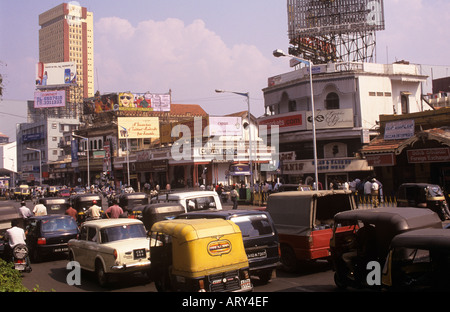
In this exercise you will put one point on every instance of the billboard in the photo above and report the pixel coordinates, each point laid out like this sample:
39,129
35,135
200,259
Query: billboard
159,102
229,126
49,99
56,74
138,127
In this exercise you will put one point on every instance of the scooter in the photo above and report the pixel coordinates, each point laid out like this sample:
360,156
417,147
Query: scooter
20,258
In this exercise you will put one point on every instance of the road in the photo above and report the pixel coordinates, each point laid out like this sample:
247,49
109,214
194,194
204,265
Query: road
51,274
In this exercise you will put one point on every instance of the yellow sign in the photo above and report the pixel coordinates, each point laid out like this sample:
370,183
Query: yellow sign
138,127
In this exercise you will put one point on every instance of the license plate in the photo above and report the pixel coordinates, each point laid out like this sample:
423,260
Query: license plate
257,254
139,253
61,249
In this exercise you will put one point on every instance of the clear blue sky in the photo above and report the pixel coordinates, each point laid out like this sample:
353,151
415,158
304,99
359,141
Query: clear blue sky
193,47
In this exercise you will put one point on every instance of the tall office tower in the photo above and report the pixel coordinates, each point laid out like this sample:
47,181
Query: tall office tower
67,35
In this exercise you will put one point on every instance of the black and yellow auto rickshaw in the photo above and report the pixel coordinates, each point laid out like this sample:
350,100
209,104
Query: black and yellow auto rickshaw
127,201
423,195
373,231
55,205
150,214
204,255
82,202
419,260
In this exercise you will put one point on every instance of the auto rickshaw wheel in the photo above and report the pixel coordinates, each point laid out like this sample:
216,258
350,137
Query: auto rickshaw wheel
339,282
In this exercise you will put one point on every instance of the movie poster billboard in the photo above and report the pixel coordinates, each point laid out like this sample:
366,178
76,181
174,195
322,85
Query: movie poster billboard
56,74
138,127
49,99
144,101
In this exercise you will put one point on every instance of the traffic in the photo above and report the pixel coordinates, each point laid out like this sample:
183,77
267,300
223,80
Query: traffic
194,241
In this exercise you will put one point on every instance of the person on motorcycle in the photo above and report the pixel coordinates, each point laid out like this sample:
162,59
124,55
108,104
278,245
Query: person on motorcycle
14,236
94,212
24,211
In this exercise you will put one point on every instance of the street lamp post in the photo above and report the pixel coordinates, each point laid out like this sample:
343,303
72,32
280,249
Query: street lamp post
87,157
250,146
128,157
40,162
279,53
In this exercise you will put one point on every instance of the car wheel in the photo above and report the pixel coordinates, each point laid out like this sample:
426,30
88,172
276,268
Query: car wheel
288,259
102,276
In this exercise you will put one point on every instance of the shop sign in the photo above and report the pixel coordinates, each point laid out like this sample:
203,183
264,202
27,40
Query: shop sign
380,160
429,155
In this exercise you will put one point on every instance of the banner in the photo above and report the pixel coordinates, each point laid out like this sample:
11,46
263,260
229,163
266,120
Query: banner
56,74
144,101
49,99
229,126
138,127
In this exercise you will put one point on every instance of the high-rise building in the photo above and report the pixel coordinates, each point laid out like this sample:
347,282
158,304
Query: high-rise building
67,35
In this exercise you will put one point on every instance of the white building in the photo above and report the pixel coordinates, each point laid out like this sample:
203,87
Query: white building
8,164
348,99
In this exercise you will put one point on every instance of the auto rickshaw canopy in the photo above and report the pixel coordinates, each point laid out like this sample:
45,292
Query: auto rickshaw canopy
203,247
427,239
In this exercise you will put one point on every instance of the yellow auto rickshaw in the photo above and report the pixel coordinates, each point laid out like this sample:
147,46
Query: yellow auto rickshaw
205,255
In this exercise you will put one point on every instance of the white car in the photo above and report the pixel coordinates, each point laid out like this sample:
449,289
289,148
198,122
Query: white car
196,200
111,246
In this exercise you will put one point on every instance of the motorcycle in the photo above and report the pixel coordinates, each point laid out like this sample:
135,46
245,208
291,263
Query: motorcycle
20,258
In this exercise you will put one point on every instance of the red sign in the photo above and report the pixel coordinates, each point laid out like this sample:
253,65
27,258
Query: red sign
379,160
283,122
429,155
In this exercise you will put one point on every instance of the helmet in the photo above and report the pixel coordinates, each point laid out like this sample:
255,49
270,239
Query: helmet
94,201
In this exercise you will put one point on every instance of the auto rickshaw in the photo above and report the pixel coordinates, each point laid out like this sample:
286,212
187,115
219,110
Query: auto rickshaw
52,191
150,214
204,255
25,192
423,195
82,202
55,205
129,200
304,221
369,239
419,260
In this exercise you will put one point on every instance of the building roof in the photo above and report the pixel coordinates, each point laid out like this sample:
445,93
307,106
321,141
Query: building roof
187,109
380,145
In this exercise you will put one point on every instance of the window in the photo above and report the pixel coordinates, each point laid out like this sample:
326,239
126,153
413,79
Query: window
292,106
332,101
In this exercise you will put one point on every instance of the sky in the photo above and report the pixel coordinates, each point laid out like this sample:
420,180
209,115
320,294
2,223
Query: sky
194,47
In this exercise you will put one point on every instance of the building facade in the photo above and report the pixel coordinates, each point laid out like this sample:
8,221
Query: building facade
348,98
67,35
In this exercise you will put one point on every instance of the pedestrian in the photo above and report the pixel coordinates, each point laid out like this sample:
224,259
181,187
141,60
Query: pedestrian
71,212
374,193
40,210
234,197
114,211
367,189
24,211
94,212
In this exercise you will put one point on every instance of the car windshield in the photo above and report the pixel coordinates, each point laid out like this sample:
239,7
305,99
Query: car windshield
121,232
58,225
254,225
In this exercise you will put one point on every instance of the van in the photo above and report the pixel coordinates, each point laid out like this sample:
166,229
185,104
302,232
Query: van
304,222
192,201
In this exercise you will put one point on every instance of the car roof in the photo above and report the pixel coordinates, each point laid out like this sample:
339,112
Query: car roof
49,216
182,195
112,222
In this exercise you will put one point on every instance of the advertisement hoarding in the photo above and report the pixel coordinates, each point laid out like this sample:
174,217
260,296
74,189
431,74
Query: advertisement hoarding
56,74
49,99
138,127
144,101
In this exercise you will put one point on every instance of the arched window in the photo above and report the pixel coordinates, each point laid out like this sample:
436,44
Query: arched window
332,101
